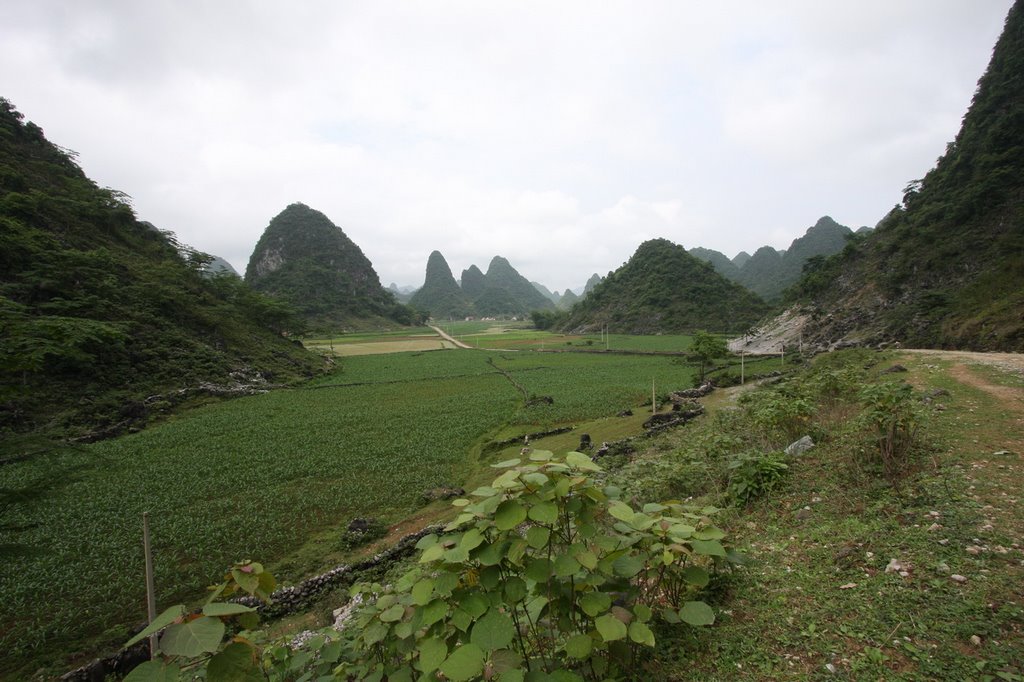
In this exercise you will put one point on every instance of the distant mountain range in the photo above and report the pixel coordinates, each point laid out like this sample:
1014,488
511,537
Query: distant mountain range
501,291
769,272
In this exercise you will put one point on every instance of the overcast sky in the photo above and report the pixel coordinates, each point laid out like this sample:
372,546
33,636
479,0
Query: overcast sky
557,134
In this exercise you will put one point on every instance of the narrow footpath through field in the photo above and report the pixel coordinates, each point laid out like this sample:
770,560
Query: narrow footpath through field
444,335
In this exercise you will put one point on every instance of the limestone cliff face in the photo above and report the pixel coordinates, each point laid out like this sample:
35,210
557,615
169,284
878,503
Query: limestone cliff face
309,262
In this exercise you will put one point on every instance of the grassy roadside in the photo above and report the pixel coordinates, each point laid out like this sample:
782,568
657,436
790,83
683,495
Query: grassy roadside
818,601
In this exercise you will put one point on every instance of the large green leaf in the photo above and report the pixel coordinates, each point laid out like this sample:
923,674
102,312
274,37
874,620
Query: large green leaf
434,611
471,539
581,461
154,671
248,580
640,633
594,603
544,512
474,604
202,635
509,514
579,646
466,662
610,627
537,536
492,554
515,590
422,591
221,609
627,566
432,553
236,663
696,575
708,547
433,651
538,570
494,631
621,511
697,613
392,613
159,623
566,565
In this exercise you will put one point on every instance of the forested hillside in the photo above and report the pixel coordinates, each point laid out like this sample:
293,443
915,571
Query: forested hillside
662,288
101,314
310,263
946,267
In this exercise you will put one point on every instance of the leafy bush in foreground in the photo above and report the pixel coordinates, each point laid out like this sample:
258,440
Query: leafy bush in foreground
543,571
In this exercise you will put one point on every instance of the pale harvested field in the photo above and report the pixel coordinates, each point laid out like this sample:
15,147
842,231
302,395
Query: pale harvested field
380,347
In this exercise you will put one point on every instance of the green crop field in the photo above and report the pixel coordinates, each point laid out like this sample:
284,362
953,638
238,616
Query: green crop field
256,477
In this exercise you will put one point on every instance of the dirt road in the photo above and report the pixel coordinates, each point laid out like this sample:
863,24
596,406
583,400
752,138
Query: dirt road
444,335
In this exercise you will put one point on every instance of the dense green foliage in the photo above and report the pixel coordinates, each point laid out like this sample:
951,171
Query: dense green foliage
662,288
706,348
945,268
307,261
543,571
98,310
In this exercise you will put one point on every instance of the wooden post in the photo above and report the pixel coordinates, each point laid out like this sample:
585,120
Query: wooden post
742,368
150,591
654,400
782,353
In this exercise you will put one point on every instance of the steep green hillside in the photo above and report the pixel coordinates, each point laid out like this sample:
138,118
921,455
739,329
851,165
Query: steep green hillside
473,281
102,316
307,261
567,300
664,289
945,268
521,297
440,295
769,272
719,261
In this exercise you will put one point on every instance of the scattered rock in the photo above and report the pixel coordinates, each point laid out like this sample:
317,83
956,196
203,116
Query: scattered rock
691,393
585,442
975,640
848,586
957,578
625,413
442,493
799,447
894,369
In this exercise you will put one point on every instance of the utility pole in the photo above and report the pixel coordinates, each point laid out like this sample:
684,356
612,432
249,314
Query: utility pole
742,374
150,590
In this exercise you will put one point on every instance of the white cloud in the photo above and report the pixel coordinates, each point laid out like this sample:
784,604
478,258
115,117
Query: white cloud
557,135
